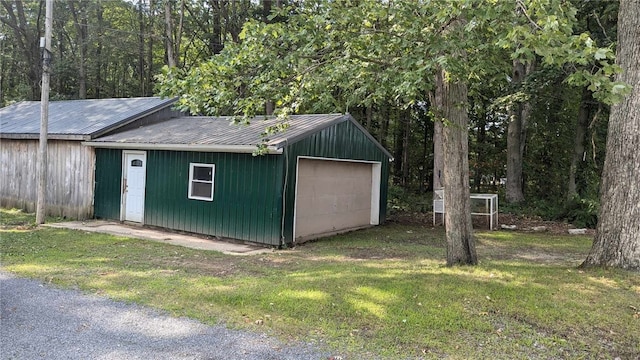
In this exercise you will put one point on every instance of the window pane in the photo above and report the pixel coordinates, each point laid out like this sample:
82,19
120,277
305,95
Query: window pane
136,163
202,173
199,189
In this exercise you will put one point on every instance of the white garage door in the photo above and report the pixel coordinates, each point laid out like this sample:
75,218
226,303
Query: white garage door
334,196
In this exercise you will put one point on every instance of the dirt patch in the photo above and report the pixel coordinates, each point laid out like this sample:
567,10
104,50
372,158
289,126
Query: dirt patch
212,266
522,223
532,256
525,223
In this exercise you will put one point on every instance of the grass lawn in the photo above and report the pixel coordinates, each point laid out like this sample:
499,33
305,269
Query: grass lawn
378,293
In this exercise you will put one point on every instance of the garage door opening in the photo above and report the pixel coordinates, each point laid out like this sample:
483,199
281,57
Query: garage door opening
334,196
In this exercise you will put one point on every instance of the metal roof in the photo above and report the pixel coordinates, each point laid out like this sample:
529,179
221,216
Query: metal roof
198,133
199,130
80,119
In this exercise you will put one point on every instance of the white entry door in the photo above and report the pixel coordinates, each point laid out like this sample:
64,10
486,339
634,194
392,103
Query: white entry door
133,185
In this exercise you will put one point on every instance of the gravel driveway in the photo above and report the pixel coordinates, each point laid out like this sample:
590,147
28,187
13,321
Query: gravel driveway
41,322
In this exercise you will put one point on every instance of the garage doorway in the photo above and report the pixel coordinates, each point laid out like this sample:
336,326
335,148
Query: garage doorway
334,196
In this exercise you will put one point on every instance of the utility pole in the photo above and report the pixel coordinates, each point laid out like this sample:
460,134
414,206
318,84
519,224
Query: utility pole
2,60
41,205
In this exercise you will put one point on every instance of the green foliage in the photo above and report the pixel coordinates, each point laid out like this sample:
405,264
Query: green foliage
582,212
325,56
15,217
549,34
401,200
124,43
545,209
328,56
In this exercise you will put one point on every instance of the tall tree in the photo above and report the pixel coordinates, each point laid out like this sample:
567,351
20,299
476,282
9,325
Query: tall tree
79,13
438,150
173,32
617,241
519,114
25,24
141,49
584,112
453,110
98,49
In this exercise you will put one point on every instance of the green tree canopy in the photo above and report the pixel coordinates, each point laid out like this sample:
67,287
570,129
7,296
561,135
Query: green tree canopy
328,55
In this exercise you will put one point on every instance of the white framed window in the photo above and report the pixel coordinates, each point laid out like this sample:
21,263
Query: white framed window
201,178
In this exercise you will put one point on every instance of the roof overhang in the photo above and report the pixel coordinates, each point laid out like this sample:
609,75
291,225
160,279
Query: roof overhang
246,149
31,136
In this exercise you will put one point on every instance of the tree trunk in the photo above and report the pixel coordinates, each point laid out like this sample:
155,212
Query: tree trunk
141,55
168,27
438,151
438,154
384,126
98,68
368,117
80,22
60,81
216,41
150,73
406,138
617,241
424,180
516,138
459,232
578,142
173,35
178,38
397,147
480,139
266,10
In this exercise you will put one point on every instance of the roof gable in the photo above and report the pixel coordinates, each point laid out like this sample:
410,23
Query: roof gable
76,118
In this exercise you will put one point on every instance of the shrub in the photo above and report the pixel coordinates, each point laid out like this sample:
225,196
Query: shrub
582,212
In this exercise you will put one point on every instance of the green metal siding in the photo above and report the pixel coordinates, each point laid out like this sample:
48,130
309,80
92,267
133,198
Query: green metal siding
341,141
108,178
247,200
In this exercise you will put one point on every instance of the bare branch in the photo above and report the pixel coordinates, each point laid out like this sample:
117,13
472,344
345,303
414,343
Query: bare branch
523,8
604,32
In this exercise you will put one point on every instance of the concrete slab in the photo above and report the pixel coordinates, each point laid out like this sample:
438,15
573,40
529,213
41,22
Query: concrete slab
140,232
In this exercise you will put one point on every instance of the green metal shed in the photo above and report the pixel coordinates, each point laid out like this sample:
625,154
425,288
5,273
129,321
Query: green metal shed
323,175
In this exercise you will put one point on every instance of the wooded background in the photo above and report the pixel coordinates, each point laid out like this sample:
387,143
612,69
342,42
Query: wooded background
117,48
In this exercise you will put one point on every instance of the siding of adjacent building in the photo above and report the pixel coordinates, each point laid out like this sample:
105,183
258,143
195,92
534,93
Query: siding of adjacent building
344,140
108,183
247,201
70,175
